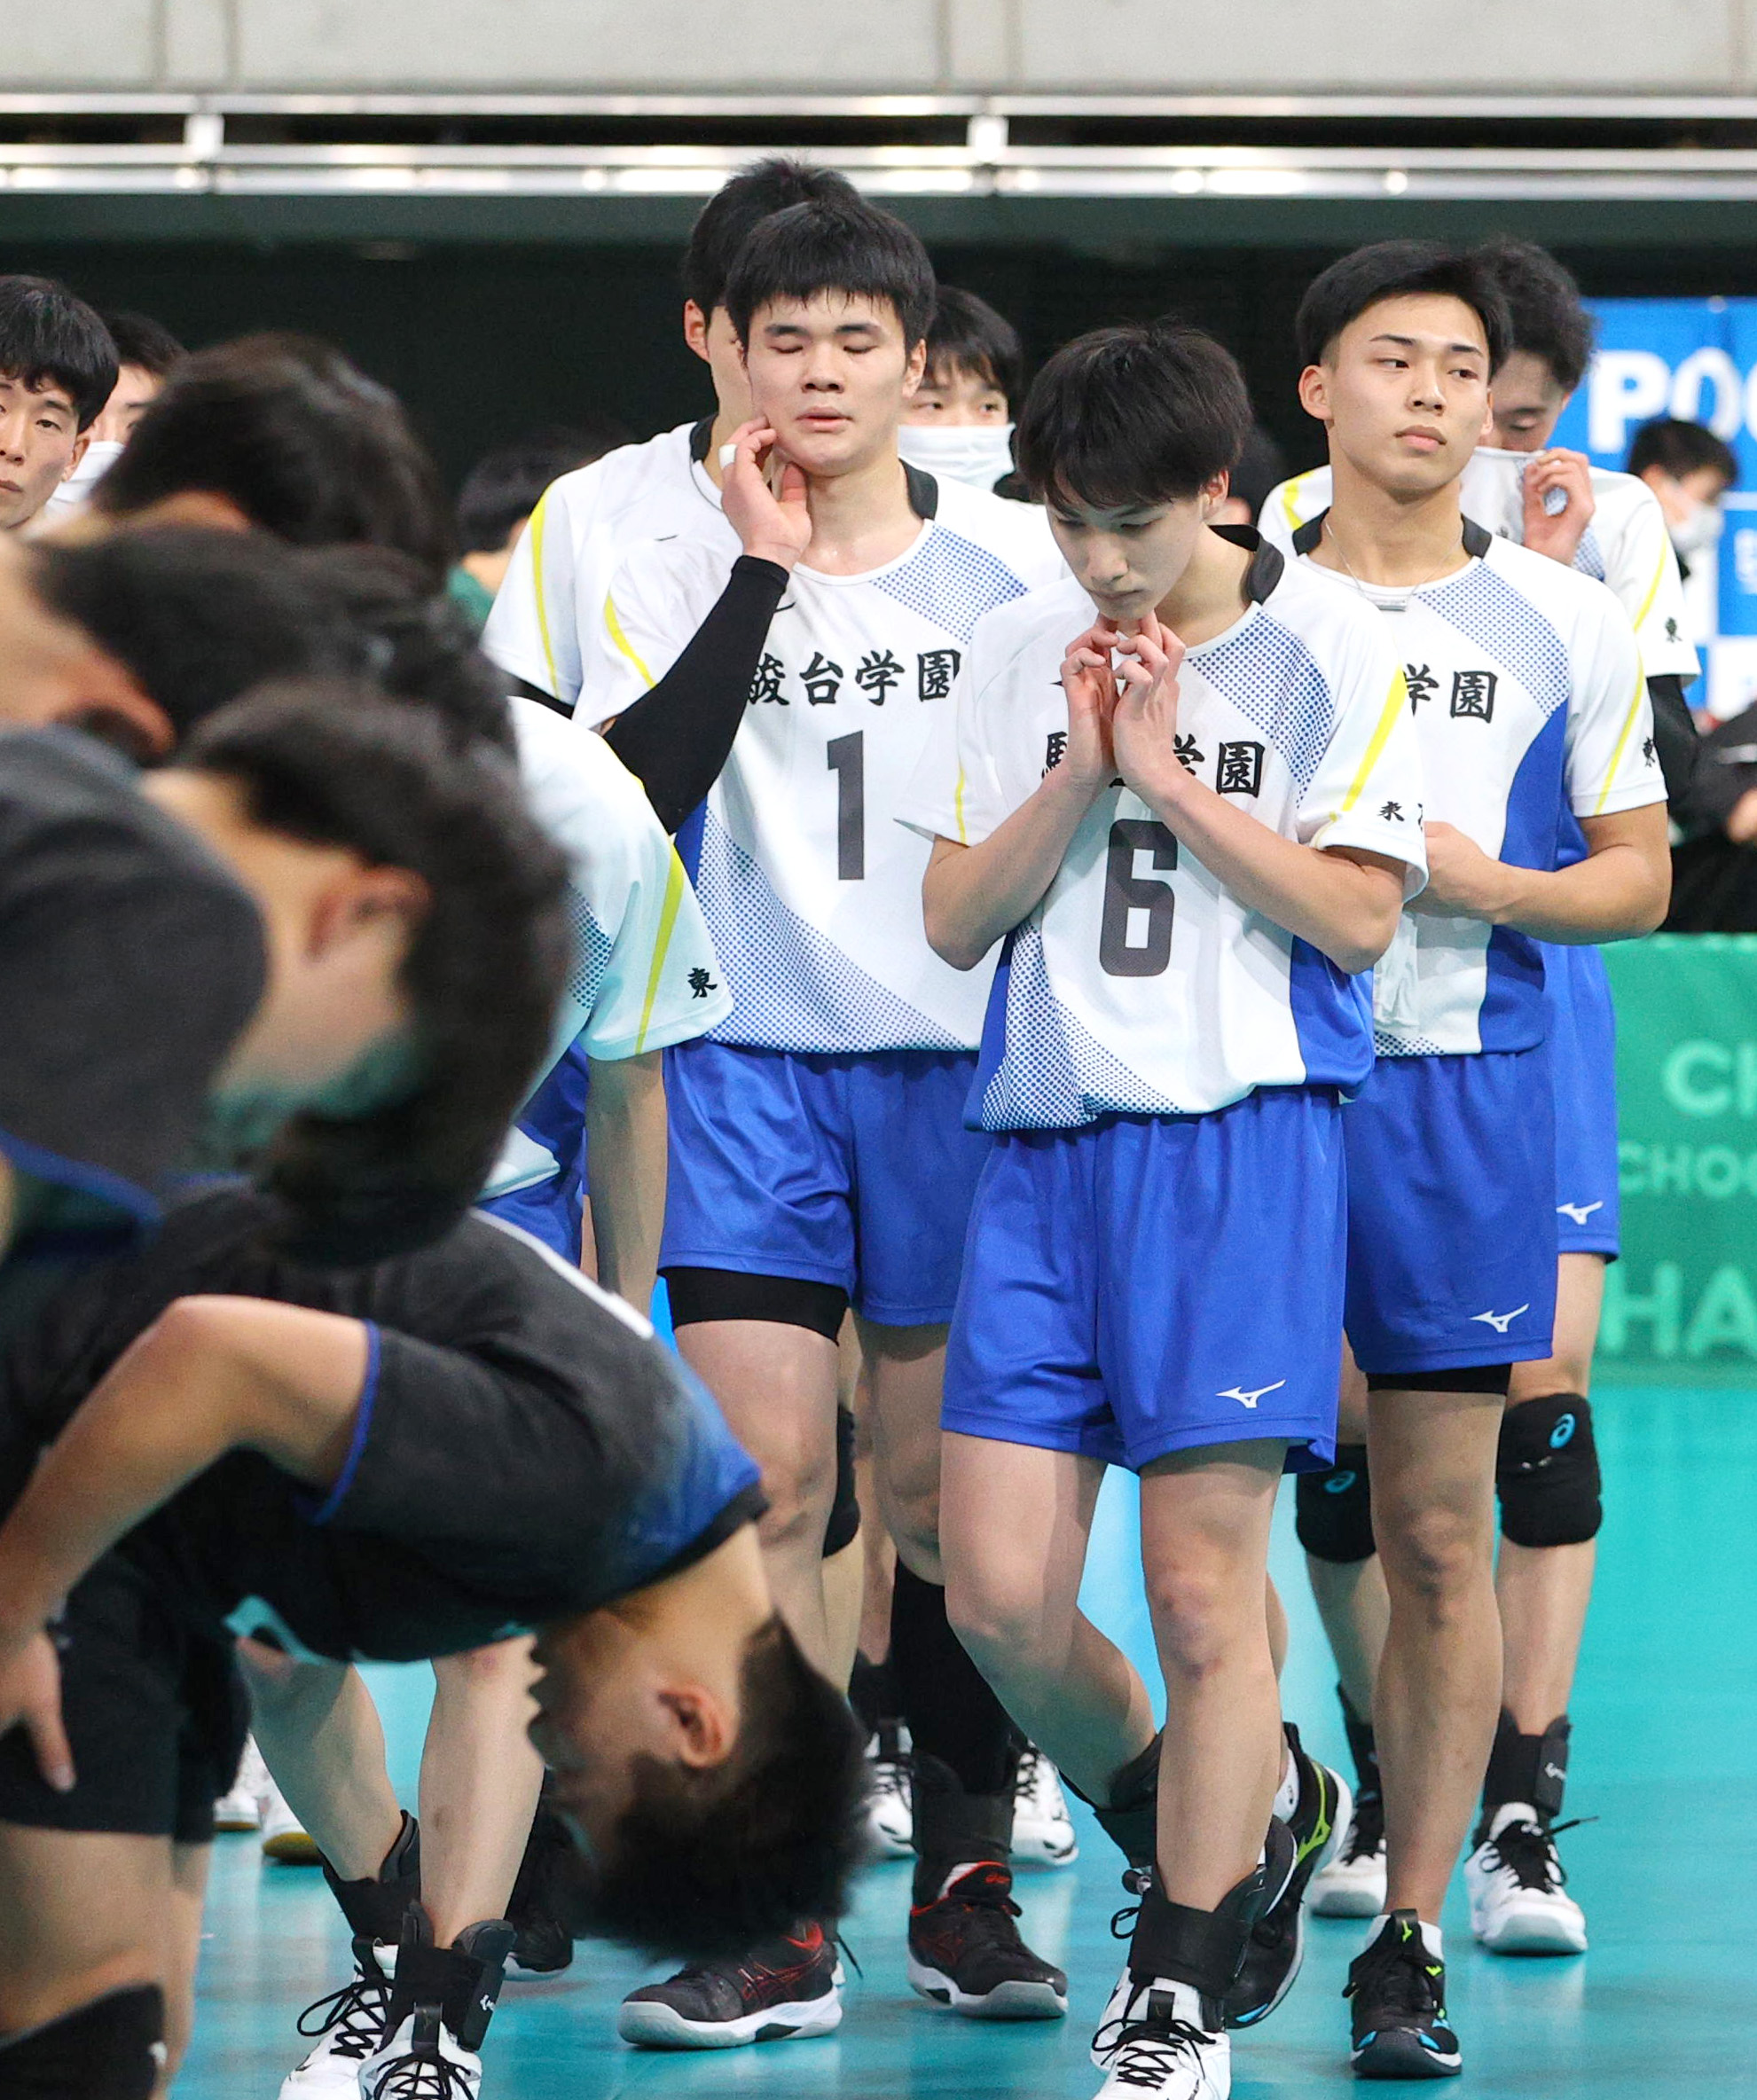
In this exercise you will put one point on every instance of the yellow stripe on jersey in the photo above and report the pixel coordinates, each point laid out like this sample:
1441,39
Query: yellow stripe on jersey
1622,741
1295,517
539,519
1653,588
623,644
676,881
1394,702
958,808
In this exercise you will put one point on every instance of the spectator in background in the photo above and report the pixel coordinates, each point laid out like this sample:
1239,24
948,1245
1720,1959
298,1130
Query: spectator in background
58,368
1262,467
958,421
146,352
500,492
1689,470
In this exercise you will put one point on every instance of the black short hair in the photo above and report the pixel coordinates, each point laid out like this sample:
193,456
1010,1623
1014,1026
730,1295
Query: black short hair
702,1863
51,338
966,334
838,245
144,343
1399,270
1543,302
304,443
1261,468
340,765
755,193
1132,416
1679,448
504,486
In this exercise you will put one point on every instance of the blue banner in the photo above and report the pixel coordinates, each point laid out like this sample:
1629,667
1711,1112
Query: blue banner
1695,359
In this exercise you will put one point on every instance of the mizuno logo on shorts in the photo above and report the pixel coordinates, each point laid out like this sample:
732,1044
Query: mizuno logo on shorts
1579,1213
1249,1400
1502,1321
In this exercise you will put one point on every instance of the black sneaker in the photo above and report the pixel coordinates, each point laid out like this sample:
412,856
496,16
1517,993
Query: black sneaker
965,1951
1399,1992
783,1990
545,1945
1277,1943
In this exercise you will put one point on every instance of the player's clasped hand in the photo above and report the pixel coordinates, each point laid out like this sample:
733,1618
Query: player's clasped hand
1090,683
764,498
1144,730
30,1695
1463,882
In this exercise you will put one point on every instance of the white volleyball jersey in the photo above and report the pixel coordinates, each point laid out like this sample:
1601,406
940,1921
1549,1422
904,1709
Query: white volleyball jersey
644,972
552,596
1531,706
1141,984
812,892
1626,545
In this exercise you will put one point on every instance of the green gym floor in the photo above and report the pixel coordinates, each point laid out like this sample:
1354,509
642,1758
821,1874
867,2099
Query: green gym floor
1664,1759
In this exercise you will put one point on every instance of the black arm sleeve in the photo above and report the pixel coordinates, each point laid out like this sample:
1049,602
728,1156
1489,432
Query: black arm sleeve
1678,744
676,737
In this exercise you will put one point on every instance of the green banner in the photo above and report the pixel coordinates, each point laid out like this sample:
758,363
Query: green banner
1680,1306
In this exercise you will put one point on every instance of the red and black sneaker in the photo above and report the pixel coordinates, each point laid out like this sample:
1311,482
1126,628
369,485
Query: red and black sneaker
965,1951
782,1990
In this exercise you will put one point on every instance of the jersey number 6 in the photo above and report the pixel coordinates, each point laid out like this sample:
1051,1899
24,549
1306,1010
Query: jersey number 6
1135,939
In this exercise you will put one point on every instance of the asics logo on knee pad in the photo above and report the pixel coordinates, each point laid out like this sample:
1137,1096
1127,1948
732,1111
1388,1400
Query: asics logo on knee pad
1563,1433
1339,1484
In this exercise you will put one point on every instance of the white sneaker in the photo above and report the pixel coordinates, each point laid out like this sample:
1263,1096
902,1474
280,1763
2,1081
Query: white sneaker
1514,1878
1165,2047
890,1816
242,1808
1353,1884
423,2060
283,1837
350,2023
1043,1831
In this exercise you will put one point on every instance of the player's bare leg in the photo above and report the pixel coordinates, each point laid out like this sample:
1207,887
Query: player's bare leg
776,1385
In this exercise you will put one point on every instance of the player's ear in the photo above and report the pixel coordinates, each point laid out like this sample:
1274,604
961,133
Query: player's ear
701,1725
695,329
1314,392
1215,491
915,369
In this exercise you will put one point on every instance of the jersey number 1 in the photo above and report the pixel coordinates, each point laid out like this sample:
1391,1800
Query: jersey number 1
846,757
1135,939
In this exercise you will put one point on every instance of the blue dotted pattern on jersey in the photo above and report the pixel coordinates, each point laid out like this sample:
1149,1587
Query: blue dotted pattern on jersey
793,988
1405,1045
1055,1075
952,581
592,949
1485,607
1267,673
1589,557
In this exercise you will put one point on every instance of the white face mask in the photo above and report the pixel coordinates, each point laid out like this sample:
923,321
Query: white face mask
978,453
98,458
1700,531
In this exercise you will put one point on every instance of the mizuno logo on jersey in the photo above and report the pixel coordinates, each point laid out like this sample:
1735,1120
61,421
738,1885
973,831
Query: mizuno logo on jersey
1579,1213
1502,1321
1249,1400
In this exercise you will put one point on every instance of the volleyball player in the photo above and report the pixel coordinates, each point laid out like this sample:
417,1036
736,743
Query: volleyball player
399,1462
818,1151
1525,683
1606,525
1181,786
58,366
959,423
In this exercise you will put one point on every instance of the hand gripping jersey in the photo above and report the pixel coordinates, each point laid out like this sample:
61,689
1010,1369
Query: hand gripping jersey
1626,547
552,597
812,893
645,974
1140,985
1529,702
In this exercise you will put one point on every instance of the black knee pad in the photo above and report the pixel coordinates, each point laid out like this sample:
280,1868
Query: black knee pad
1333,1511
112,2050
1547,1470
844,1517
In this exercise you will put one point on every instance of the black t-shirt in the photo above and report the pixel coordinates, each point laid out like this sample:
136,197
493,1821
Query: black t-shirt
130,962
525,1450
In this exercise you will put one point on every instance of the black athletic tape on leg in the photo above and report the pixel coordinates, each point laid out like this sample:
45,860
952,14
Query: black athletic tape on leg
1532,1768
110,2049
1333,1511
949,1704
871,1693
1129,1817
954,1828
698,1295
1364,1748
1546,1471
1464,1378
462,1980
844,1516
374,1906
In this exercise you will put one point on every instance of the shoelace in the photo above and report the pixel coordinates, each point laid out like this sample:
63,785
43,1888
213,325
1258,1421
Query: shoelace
353,2016
1137,1880
1148,2051
424,2074
1393,1974
1528,1852
1029,1777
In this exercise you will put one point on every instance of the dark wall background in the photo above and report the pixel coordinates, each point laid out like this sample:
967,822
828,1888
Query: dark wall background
485,341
